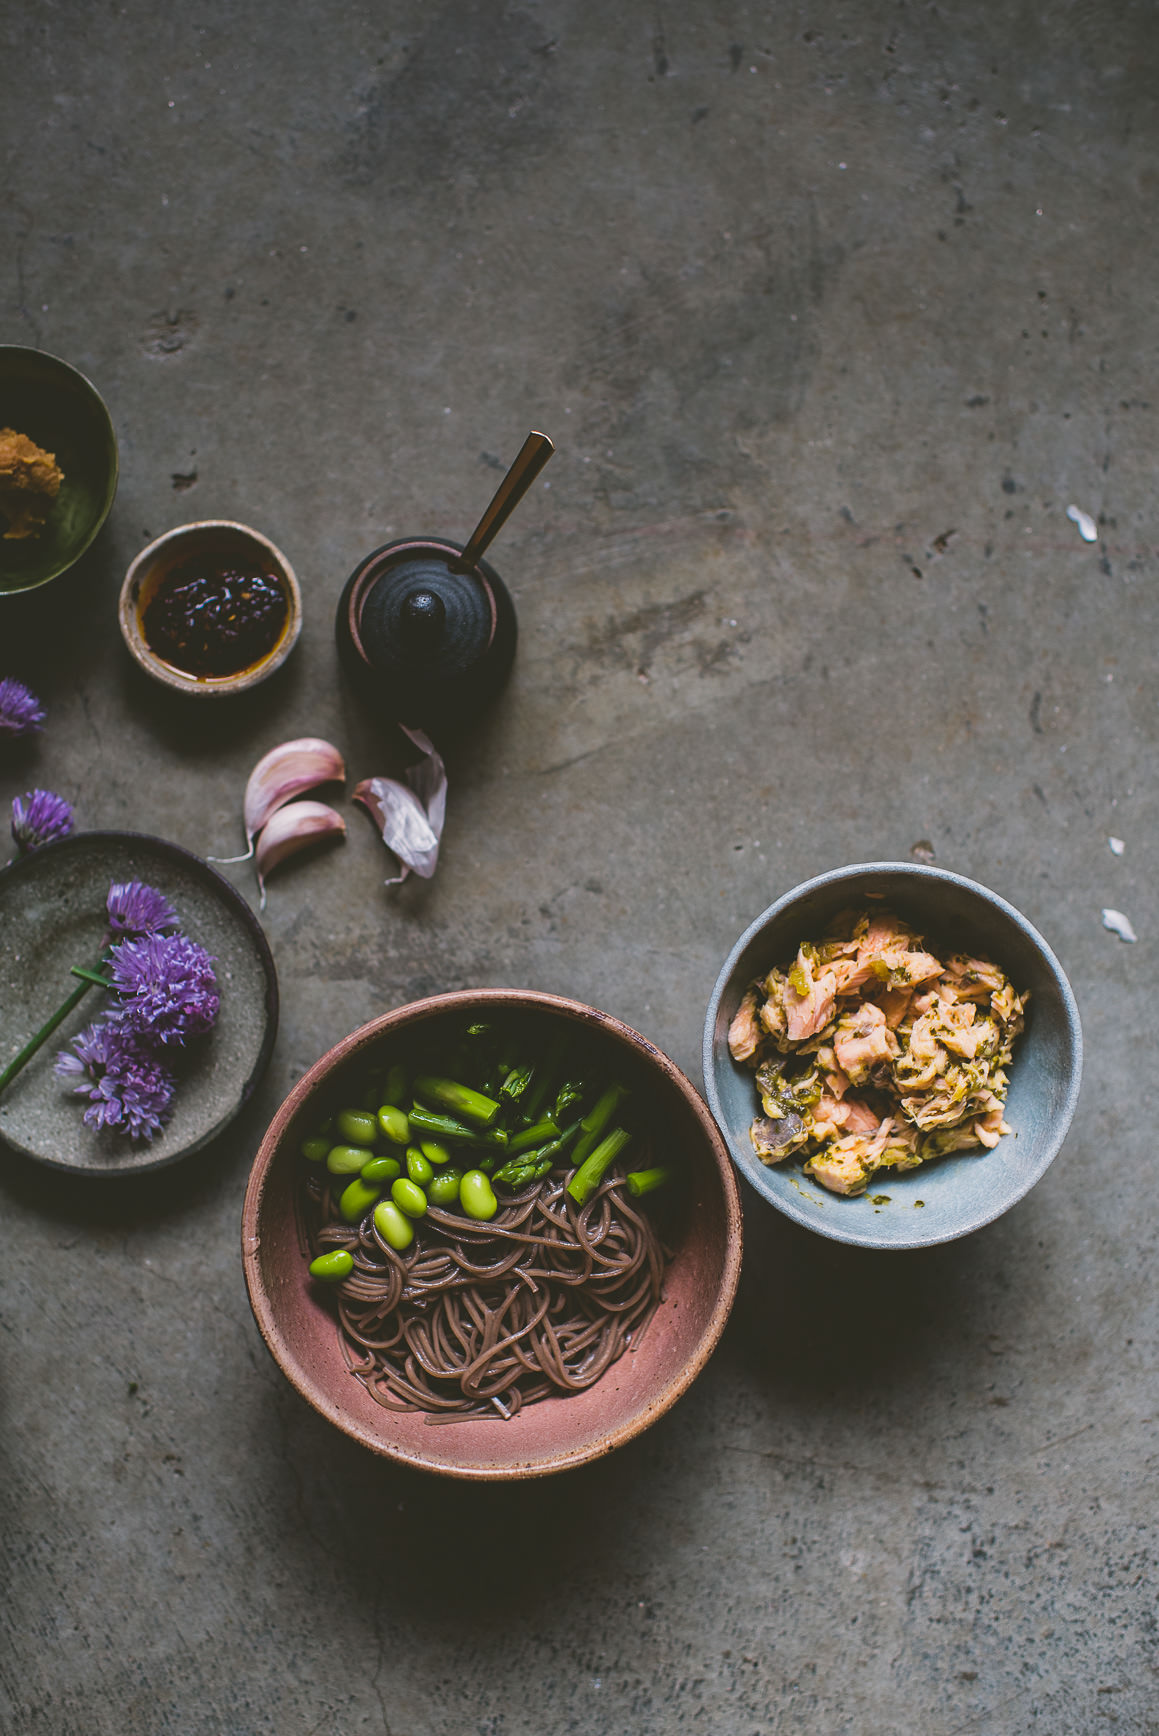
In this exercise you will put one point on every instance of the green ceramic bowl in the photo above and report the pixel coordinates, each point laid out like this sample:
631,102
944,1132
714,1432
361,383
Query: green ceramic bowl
64,413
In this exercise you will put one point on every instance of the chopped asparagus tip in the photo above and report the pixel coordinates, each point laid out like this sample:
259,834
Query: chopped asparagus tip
570,1093
645,1181
526,1165
459,1100
517,1081
590,1173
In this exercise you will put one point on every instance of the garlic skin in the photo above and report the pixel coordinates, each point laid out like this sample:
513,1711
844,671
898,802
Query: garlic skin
291,829
410,815
280,775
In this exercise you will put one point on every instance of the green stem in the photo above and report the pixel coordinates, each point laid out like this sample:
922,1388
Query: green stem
88,979
90,976
42,1036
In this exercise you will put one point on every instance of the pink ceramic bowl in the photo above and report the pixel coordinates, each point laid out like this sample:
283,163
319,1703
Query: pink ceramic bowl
300,1329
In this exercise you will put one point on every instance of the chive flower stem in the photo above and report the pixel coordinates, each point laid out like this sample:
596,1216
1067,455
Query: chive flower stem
90,976
20,1061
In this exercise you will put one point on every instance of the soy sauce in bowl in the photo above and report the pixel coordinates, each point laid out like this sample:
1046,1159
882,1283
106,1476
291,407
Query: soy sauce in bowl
210,608
214,617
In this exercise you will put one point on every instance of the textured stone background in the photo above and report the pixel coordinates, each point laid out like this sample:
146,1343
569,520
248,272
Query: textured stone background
832,310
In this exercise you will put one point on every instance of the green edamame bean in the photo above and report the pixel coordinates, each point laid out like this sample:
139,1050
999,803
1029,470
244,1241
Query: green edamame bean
357,1199
346,1159
444,1189
381,1169
394,1124
476,1195
315,1149
394,1090
409,1198
393,1226
417,1167
434,1151
332,1267
357,1126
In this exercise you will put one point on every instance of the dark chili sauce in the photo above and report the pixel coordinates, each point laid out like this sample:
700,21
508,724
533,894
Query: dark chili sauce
215,619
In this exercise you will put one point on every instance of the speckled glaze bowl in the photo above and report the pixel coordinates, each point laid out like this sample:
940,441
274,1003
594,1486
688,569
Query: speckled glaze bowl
299,1325
952,1195
57,407
52,916
212,539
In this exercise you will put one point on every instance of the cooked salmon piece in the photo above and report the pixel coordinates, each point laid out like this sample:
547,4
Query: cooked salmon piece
863,1039
745,1035
860,1117
805,1015
841,1167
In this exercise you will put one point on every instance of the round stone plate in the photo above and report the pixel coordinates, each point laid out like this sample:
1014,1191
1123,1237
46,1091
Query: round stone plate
52,916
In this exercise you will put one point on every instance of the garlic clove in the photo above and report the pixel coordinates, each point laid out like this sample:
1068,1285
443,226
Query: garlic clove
291,829
403,822
410,815
285,772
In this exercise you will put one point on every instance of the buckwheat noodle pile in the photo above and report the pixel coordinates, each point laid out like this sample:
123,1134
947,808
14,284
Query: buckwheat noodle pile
479,1319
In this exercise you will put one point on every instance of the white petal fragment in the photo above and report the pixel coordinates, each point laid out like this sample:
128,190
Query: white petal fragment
1119,924
1117,846
1088,529
291,829
410,815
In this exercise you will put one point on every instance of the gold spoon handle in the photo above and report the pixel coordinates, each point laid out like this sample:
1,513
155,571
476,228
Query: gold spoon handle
533,455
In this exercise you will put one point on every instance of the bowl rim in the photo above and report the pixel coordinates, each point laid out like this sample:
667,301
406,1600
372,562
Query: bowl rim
167,674
754,1172
429,1007
114,469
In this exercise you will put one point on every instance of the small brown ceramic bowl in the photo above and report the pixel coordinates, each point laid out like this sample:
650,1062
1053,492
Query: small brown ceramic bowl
215,543
701,1226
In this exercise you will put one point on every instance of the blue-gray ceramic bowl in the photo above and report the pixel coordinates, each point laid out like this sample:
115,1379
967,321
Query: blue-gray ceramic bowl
952,1195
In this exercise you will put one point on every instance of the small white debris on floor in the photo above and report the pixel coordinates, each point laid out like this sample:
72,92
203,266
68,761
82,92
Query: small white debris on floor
1088,529
1119,924
1117,846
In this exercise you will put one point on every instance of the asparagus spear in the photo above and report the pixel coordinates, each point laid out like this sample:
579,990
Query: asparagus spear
644,1181
597,1119
458,1100
435,1126
590,1173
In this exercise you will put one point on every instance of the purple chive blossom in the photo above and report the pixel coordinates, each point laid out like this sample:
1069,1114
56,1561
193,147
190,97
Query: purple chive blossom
136,909
20,710
38,817
167,987
127,1087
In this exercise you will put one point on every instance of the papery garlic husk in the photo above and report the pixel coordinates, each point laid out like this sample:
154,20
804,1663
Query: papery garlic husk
280,775
291,829
410,815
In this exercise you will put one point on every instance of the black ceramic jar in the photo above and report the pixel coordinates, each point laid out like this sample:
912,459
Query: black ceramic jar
426,644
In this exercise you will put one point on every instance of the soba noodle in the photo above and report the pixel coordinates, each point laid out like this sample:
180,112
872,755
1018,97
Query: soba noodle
477,1319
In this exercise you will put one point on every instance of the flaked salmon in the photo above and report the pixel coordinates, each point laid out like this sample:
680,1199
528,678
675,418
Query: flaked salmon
872,1053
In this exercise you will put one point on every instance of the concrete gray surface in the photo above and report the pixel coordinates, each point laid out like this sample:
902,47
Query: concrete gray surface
833,311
